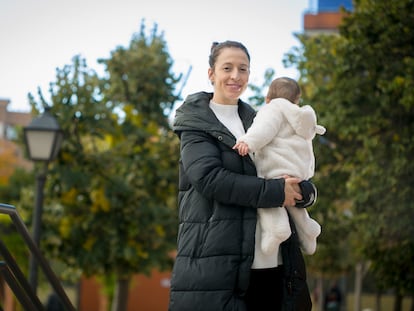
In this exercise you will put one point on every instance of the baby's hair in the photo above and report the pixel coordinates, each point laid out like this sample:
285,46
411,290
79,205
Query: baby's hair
216,48
284,87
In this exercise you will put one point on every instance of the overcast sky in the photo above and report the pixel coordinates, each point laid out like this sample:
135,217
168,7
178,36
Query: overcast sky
38,36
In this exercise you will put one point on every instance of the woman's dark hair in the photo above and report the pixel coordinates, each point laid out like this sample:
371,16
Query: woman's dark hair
216,48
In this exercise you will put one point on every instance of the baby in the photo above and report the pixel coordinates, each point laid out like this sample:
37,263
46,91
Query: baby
280,143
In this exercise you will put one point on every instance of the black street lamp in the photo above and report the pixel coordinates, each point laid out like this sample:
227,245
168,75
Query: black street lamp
43,138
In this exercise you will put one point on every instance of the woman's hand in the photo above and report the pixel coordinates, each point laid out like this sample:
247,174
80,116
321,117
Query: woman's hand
292,191
309,194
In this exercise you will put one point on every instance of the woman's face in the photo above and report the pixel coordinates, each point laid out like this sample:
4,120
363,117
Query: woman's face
229,76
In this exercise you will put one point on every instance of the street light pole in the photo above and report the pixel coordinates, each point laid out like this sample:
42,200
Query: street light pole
37,224
43,138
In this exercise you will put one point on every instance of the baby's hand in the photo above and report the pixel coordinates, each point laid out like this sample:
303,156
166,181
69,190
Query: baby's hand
242,148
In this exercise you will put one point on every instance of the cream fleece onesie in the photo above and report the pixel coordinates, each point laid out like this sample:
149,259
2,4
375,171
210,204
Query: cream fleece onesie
280,143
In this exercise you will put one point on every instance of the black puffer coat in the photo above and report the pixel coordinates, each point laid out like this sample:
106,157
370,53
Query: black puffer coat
218,196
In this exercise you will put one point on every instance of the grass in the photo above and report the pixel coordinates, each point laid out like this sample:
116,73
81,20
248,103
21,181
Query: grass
387,303
368,303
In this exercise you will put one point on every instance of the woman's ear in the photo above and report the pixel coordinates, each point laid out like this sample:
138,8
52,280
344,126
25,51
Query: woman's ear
211,75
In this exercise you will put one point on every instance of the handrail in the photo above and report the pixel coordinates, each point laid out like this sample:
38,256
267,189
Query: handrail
22,297
53,280
18,274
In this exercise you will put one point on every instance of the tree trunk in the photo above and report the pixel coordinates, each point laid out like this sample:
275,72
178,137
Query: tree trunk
120,301
378,301
359,271
344,303
398,302
320,292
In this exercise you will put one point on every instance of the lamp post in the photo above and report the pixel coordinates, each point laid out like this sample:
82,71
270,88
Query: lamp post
43,138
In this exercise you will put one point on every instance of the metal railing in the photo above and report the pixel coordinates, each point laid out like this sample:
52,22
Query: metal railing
15,277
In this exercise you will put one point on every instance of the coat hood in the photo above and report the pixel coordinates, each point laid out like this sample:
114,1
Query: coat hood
195,114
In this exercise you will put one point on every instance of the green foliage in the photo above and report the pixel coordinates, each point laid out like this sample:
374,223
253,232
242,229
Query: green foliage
361,85
111,194
384,63
258,96
12,193
139,77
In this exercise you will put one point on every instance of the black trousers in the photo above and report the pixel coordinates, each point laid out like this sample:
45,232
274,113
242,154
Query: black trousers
265,292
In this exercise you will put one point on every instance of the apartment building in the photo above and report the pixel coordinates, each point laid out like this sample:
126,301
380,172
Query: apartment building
9,122
325,16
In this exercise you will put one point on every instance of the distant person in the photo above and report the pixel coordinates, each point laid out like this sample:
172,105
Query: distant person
280,143
54,303
333,299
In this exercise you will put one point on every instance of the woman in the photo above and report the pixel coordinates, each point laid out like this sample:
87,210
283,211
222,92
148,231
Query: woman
219,194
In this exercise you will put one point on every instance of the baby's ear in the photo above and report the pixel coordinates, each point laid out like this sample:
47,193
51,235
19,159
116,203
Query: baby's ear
320,129
297,100
267,99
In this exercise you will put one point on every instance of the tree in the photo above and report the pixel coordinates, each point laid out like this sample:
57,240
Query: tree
384,61
139,80
8,160
19,185
114,183
361,83
16,182
140,84
257,98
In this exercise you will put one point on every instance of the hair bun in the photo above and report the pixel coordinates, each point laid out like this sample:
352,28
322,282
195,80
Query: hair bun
213,45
